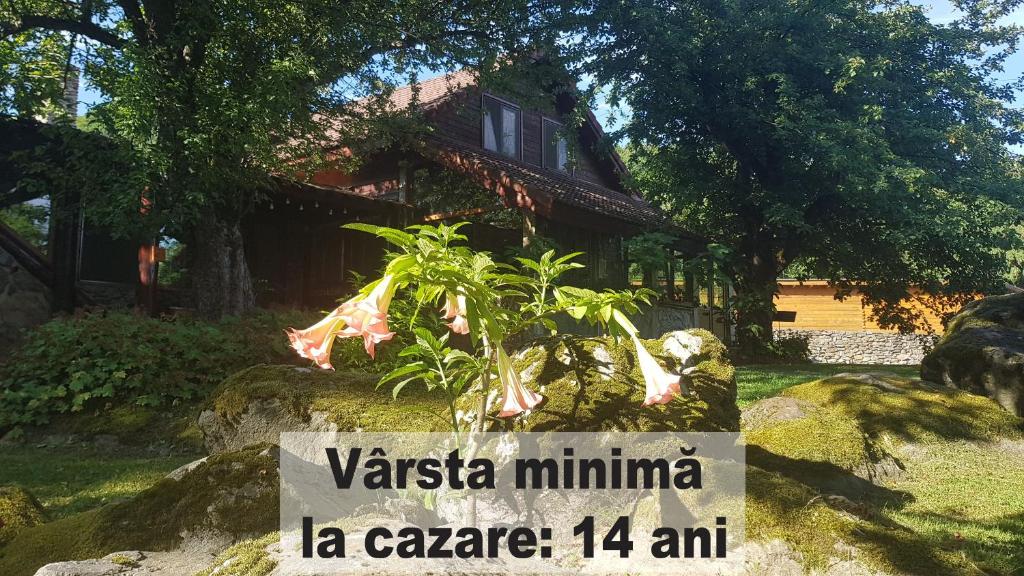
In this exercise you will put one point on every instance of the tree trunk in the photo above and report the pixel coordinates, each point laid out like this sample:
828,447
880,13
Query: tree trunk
756,285
220,274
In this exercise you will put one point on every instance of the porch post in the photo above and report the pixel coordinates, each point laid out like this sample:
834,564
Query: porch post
711,295
671,275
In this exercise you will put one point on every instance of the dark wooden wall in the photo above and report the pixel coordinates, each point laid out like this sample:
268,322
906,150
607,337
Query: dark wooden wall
300,256
602,254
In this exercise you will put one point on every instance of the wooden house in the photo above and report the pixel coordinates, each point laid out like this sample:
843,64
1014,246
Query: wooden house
519,174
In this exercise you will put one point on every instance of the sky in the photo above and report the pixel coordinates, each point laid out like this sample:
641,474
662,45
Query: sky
940,11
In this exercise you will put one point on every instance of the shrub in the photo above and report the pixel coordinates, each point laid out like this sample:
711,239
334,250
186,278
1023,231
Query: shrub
94,359
787,350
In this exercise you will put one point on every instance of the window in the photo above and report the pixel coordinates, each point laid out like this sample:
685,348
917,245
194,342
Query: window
556,148
502,127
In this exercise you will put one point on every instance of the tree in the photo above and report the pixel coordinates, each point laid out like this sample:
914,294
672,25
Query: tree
855,139
216,94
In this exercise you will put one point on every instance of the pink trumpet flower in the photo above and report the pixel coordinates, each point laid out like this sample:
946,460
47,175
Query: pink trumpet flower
661,386
315,343
369,317
516,398
366,317
455,310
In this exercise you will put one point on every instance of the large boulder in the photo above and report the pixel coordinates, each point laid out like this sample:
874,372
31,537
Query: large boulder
258,403
225,499
982,351
595,384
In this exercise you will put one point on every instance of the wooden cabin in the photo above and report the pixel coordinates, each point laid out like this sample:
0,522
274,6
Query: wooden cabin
521,175
812,305
518,174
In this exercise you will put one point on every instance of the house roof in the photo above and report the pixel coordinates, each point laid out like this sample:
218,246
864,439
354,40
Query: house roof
522,184
429,94
433,91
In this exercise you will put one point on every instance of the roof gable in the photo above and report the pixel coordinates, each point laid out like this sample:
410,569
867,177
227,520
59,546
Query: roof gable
435,93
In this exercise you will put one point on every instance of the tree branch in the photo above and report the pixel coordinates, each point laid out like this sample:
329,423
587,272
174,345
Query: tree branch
84,28
133,12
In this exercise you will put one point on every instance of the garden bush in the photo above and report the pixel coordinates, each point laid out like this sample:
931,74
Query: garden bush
787,350
95,360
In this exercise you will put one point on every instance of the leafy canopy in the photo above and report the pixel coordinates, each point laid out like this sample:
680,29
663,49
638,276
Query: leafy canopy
216,94
856,138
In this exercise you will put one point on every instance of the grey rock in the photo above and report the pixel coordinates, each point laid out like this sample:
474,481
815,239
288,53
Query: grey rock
988,361
845,347
682,345
116,564
182,471
262,421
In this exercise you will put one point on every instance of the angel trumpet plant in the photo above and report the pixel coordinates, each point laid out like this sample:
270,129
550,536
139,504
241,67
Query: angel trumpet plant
516,398
660,386
506,301
455,310
366,317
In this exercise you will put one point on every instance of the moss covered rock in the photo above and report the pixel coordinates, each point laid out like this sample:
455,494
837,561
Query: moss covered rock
225,499
258,403
982,351
18,510
853,422
595,384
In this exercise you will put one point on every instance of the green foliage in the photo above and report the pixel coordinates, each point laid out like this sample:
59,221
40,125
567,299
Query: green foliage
78,169
491,301
650,250
29,221
859,138
214,96
93,360
438,367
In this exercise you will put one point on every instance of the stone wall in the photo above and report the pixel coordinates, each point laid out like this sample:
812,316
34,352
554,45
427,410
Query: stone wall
24,301
842,347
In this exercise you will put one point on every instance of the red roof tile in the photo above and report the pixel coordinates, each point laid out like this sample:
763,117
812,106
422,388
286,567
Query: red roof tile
434,91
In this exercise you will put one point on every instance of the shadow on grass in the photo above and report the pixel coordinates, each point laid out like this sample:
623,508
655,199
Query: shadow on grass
911,410
825,478
956,546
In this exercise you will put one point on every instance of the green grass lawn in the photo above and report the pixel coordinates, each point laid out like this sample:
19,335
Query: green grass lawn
73,479
757,381
968,499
